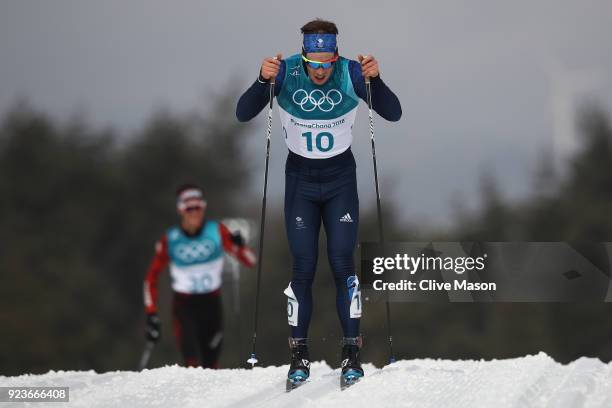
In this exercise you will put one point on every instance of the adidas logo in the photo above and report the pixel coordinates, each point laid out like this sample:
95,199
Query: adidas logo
346,218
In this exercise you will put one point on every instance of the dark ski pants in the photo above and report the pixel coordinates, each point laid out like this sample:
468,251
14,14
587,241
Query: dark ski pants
198,328
322,190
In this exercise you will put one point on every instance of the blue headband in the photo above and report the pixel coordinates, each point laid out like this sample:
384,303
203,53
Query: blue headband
320,42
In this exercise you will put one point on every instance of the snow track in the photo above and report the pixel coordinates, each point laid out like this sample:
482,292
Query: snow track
531,381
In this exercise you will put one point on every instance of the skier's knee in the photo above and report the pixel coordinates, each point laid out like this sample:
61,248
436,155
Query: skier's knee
342,265
304,267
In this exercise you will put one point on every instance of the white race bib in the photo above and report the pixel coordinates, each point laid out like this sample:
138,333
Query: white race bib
317,138
198,278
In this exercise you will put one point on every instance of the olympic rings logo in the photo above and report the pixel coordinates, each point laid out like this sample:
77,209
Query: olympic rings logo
317,99
195,251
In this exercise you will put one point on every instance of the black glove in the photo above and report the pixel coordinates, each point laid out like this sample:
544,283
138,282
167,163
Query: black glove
153,332
237,239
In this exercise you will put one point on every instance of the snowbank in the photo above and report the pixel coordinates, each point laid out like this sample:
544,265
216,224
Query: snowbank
531,381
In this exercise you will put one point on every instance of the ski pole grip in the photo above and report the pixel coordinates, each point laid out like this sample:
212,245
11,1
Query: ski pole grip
367,78
273,79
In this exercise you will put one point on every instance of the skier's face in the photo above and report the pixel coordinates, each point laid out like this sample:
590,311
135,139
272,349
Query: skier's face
319,75
193,216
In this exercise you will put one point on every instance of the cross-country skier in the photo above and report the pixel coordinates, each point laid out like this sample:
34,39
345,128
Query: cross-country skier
194,250
318,93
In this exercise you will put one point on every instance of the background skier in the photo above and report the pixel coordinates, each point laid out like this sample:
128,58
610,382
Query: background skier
194,251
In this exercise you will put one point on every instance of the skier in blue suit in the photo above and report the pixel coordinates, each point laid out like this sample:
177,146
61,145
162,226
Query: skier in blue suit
318,93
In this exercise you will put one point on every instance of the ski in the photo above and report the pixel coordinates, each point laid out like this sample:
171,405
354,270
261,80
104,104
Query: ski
293,384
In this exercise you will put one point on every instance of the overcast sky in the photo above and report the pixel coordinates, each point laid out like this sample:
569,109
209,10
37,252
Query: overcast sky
484,85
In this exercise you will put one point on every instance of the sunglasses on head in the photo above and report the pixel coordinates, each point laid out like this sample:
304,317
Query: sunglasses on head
320,64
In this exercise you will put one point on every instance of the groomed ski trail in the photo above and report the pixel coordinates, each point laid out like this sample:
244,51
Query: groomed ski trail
531,381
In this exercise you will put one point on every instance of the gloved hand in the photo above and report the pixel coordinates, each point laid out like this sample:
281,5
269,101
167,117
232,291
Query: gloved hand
153,331
237,239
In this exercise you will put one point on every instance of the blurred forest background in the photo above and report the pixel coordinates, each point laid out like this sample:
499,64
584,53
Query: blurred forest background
81,208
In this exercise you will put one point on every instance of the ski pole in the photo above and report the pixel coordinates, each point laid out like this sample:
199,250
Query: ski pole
253,359
146,355
380,223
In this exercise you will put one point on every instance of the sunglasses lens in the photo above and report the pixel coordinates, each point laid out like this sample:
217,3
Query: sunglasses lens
317,65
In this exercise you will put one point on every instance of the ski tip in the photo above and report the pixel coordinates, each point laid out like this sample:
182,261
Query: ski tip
295,383
345,383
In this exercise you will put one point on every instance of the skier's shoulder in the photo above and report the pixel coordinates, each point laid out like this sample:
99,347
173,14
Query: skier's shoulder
213,224
161,245
348,61
173,233
292,60
290,66
212,228
354,69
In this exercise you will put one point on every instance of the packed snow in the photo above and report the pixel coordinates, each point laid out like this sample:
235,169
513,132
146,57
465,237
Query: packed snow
531,381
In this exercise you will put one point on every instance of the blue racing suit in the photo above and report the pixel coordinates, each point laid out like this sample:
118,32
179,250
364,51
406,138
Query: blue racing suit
320,177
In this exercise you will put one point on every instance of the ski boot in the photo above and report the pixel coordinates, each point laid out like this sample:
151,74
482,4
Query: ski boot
351,364
299,370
